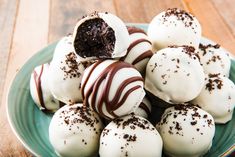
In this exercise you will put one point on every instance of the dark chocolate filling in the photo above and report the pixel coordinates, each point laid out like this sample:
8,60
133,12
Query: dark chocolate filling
94,38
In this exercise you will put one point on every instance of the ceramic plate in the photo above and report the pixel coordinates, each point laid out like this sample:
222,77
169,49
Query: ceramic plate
30,125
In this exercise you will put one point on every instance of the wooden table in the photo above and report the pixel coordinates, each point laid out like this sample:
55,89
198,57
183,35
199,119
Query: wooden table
29,25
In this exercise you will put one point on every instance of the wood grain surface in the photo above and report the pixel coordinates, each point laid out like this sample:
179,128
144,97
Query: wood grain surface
29,25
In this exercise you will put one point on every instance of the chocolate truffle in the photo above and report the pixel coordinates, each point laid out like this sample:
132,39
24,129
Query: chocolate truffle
112,88
174,27
140,50
186,130
131,136
65,73
40,91
175,75
100,35
217,97
214,58
75,131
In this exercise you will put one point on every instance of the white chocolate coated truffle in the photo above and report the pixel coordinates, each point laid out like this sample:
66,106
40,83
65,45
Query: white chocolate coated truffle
186,130
100,35
140,50
112,88
174,27
65,73
175,74
144,109
40,91
217,97
75,131
131,136
214,59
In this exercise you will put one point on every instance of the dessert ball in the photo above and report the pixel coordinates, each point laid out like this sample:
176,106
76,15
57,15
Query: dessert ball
140,50
186,130
144,109
40,92
131,136
112,88
174,27
217,97
214,59
65,73
100,35
174,74
75,131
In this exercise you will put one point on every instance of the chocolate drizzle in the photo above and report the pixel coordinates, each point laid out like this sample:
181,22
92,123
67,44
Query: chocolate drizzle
94,38
37,81
145,54
107,76
145,108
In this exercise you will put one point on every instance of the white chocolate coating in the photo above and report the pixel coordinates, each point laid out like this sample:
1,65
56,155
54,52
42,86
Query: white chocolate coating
122,40
65,73
112,88
75,131
214,59
39,89
218,98
186,131
131,136
140,50
144,109
174,27
174,75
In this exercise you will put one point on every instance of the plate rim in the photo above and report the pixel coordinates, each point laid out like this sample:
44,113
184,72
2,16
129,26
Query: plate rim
228,152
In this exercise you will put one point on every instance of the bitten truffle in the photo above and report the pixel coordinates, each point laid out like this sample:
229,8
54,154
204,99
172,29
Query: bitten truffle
186,130
217,97
174,27
112,88
75,131
100,35
131,136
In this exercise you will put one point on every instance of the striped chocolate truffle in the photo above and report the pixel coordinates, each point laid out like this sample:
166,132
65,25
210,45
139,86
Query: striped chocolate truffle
139,51
112,88
40,92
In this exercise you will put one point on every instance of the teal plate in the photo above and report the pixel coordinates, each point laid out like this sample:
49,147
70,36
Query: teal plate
30,125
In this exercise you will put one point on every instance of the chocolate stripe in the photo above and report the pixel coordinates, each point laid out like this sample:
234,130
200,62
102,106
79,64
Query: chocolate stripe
37,80
133,30
146,54
145,108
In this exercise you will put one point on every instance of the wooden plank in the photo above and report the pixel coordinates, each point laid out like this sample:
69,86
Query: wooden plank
30,35
8,11
227,11
143,11
65,15
213,25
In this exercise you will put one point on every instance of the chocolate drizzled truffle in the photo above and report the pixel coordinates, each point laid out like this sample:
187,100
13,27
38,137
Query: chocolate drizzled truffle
186,130
100,35
65,72
40,91
214,58
140,50
130,136
174,27
144,109
112,88
75,131
217,97
173,71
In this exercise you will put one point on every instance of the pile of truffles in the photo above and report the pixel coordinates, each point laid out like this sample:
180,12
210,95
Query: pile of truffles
105,79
